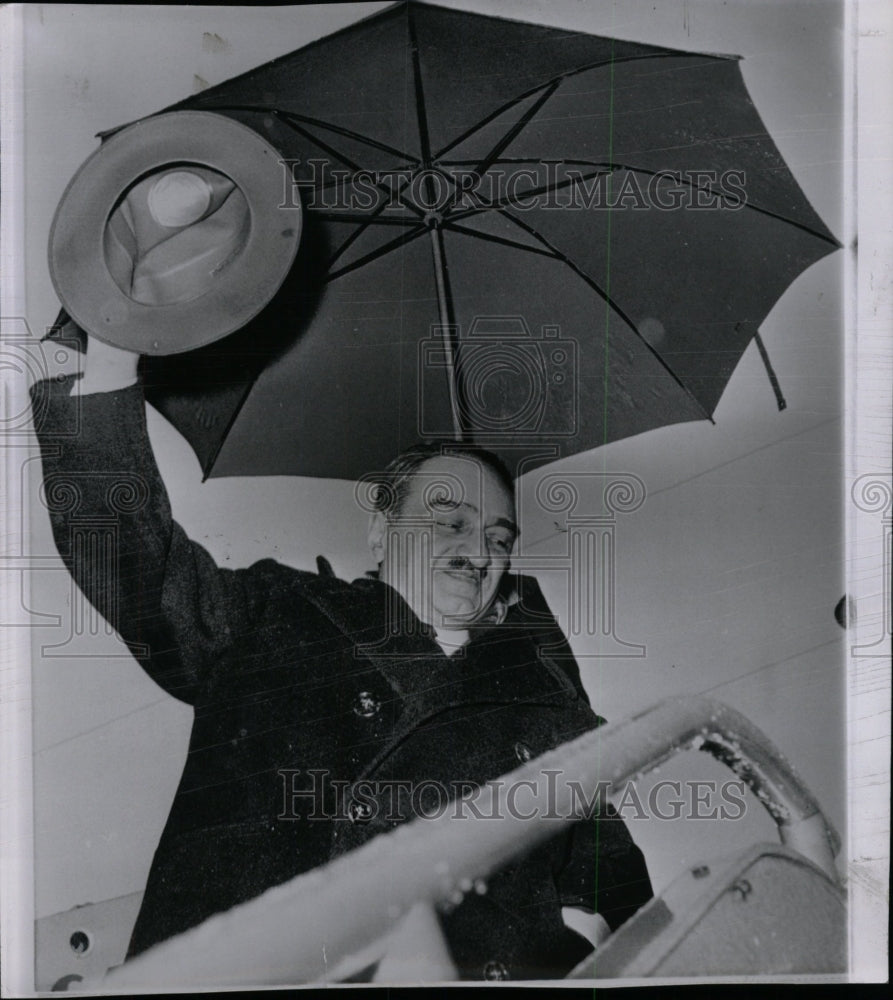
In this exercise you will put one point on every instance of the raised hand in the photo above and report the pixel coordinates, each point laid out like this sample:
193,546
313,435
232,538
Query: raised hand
104,367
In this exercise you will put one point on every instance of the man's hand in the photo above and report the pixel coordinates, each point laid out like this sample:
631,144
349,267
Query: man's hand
591,926
105,368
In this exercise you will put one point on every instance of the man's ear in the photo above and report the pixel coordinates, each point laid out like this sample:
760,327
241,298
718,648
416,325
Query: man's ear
378,526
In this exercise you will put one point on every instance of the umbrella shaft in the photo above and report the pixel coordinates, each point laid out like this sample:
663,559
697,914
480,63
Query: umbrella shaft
447,329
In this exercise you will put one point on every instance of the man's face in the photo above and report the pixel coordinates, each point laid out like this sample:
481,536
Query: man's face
447,549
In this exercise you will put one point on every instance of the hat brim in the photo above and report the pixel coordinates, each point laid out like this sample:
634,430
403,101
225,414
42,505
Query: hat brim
77,260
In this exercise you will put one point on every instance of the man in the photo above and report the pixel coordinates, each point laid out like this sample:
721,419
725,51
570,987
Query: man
433,669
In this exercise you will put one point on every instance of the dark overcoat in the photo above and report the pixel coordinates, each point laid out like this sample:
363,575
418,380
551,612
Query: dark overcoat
302,696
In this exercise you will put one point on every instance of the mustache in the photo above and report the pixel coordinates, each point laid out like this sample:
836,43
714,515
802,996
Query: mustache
463,565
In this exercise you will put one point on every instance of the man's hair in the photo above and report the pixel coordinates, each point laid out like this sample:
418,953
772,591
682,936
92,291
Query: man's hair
391,486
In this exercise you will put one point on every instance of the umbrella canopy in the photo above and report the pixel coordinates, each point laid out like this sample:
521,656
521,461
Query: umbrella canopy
534,239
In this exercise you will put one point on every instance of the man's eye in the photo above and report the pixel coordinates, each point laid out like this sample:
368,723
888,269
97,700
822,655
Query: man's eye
503,544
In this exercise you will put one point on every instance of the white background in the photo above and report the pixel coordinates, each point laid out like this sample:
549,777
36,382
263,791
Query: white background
729,573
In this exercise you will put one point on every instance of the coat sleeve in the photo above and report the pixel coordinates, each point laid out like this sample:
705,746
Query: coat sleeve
604,871
111,519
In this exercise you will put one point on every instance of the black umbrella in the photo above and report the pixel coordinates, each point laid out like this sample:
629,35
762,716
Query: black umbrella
535,239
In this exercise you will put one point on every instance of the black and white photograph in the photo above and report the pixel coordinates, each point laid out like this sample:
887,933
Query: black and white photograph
447,506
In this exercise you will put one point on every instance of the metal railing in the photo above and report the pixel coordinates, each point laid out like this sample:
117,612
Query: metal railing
324,923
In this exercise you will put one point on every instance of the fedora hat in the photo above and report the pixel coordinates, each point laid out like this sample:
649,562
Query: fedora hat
174,233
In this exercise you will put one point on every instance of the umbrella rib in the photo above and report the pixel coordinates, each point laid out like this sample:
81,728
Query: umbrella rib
288,116
380,252
504,241
594,285
364,220
344,159
607,168
530,192
563,76
350,134
212,459
419,90
516,129
363,223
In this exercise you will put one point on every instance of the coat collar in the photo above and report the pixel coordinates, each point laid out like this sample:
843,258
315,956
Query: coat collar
500,663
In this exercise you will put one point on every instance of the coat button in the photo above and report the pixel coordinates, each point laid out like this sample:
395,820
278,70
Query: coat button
366,705
495,971
359,813
523,752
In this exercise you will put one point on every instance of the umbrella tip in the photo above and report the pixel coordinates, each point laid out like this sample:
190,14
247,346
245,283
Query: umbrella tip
770,371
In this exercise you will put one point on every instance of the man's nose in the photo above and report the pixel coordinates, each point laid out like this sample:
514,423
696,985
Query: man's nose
476,553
